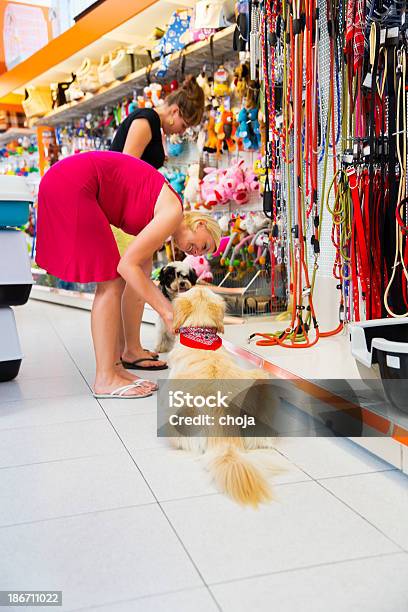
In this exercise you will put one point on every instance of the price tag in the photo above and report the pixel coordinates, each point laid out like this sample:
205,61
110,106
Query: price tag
368,80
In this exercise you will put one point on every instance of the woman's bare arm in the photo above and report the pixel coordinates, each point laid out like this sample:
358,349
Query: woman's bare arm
166,220
138,137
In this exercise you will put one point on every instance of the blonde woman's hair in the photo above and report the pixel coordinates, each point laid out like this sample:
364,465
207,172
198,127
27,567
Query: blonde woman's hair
192,219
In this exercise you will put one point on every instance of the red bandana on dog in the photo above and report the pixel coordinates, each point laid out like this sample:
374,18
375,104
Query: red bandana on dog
204,338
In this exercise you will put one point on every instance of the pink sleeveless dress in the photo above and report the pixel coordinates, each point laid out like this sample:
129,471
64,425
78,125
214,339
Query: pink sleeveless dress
79,198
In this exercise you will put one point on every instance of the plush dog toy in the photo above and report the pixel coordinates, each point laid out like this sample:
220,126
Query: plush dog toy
201,267
192,193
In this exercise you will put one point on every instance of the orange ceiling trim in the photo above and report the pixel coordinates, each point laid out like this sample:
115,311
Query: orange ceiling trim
12,108
101,20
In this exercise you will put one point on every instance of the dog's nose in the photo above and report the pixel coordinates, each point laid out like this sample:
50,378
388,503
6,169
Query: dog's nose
182,284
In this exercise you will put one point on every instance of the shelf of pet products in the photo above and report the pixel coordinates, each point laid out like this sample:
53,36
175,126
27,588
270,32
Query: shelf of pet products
82,297
13,134
19,154
194,56
47,288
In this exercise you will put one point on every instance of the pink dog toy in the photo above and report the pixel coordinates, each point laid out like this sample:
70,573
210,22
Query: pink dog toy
201,267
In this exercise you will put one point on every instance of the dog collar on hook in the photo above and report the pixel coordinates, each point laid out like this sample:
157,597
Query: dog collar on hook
204,338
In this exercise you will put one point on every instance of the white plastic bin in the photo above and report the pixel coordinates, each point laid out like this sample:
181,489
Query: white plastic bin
380,348
15,271
15,199
10,349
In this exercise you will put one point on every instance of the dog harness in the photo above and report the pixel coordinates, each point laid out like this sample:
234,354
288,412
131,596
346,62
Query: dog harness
204,338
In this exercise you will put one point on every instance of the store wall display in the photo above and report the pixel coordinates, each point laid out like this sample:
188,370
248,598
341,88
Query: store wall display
280,123
172,40
210,15
37,101
58,93
11,119
87,76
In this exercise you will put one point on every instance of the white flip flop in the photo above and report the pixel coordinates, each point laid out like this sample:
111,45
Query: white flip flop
120,391
144,380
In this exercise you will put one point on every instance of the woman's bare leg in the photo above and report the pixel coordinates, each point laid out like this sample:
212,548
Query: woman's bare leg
105,323
132,312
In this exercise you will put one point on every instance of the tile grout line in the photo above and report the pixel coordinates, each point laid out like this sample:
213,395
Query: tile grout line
78,458
155,502
159,504
360,515
385,471
151,490
162,509
240,579
40,425
58,335
316,479
308,567
79,514
147,484
188,590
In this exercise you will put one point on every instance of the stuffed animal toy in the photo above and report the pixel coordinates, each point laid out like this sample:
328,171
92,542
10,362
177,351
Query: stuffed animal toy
221,248
221,83
224,223
225,130
254,131
176,179
240,182
156,90
260,173
212,140
141,102
192,193
242,130
254,222
178,182
251,180
248,128
212,190
241,77
201,267
252,97
202,81
175,146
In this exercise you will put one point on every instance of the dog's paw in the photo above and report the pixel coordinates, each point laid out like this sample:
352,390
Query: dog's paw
164,347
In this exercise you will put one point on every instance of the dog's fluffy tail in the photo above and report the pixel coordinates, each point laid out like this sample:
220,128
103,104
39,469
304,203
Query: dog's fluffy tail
236,475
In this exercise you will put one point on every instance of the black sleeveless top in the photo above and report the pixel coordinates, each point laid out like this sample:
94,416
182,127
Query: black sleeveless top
154,152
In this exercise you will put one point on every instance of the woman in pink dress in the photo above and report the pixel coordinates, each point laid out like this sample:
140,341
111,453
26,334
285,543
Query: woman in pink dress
79,198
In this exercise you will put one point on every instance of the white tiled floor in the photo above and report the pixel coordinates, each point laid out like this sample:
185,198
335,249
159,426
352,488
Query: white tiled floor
93,504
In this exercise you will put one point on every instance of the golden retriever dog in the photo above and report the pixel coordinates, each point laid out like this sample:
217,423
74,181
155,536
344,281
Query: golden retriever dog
234,460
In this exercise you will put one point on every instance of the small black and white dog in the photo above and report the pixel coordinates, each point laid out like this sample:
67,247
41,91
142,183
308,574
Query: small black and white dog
176,277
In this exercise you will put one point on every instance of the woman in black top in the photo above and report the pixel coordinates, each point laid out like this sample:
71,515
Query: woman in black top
140,135
124,142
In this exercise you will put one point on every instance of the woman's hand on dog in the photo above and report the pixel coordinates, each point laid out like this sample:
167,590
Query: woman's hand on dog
168,317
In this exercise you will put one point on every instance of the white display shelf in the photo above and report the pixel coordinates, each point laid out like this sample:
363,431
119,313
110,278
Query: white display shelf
196,55
15,133
76,299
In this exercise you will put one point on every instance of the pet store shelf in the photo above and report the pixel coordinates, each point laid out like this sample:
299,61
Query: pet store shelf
392,447
15,133
77,299
196,55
